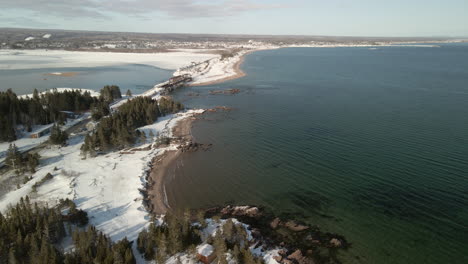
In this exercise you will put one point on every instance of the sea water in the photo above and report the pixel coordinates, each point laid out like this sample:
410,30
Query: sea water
368,143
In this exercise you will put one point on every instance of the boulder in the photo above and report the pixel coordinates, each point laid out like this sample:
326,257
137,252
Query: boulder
297,257
278,258
249,211
292,225
274,224
334,242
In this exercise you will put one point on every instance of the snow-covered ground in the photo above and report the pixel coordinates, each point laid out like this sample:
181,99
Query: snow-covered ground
105,186
25,142
37,59
216,69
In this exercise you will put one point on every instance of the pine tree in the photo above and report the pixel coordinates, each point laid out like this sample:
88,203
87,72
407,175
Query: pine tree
36,95
13,157
57,136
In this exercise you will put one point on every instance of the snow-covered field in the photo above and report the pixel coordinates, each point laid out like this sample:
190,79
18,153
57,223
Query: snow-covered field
105,186
37,59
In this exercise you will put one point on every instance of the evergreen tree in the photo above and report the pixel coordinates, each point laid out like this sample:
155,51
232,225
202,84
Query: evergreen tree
36,95
13,157
38,110
57,136
32,161
110,93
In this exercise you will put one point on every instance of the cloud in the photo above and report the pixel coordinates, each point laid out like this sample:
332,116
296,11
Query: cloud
138,8
22,21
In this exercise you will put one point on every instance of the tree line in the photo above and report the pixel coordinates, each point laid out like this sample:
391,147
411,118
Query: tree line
48,107
31,234
119,130
41,109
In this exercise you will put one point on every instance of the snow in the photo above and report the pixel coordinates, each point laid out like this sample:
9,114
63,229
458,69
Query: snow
29,38
181,259
46,36
216,68
37,59
26,143
205,249
211,70
105,186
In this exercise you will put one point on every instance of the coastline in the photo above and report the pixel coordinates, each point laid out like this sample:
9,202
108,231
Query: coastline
237,69
162,166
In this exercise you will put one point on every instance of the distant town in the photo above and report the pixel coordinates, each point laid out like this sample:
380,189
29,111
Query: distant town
11,38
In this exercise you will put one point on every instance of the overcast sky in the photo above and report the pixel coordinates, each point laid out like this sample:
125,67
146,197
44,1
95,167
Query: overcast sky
282,17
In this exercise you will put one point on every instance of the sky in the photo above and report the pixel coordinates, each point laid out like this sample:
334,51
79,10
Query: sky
390,18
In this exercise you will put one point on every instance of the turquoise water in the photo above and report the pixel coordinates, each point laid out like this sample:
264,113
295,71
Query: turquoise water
372,144
137,78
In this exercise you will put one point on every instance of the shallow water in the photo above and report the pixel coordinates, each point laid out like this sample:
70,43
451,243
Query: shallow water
372,144
134,77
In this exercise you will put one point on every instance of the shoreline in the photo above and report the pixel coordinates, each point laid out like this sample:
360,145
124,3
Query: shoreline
239,73
163,164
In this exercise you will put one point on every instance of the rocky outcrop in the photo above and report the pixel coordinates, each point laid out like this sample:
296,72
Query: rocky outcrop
228,91
249,211
191,146
296,257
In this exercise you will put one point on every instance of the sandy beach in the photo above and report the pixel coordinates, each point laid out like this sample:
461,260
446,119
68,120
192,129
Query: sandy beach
163,167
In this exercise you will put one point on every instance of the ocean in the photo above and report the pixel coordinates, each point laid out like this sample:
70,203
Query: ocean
368,143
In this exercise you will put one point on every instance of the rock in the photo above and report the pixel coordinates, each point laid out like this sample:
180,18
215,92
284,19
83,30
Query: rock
297,255
249,211
278,258
334,242
299,258
292,225
274,224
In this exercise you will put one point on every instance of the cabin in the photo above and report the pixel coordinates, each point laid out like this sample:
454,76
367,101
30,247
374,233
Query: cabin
206,253
40,133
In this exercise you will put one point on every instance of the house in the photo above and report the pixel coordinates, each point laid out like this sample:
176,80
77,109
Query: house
40,133
206,253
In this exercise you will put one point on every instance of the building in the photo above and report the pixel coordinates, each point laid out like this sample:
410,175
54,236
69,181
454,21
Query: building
205,253
40,133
